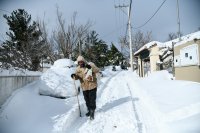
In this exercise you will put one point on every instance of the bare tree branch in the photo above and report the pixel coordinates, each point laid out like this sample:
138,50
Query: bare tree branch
71,37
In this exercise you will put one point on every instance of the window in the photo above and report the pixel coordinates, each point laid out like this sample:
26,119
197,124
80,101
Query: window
186,55
189,55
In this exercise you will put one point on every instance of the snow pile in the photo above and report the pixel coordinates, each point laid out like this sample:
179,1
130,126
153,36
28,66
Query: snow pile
63,63
160,75
57,81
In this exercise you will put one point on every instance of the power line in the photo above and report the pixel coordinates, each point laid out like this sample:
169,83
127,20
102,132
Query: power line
151,16
111,33
119,17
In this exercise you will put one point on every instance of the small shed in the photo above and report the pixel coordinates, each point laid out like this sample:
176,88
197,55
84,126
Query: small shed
147,57
187,58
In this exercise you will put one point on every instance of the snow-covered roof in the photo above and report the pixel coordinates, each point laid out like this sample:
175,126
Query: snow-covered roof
188,38
184,39
148,45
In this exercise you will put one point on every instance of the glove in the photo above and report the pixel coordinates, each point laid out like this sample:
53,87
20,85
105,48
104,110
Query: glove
73,75
88,66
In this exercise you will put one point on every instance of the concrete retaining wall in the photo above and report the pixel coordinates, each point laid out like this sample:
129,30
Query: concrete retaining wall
8,84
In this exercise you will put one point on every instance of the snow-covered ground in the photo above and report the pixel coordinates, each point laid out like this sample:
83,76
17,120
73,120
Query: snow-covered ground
125,103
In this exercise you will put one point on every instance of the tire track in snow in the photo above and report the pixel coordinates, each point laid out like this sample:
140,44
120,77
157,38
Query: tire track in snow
139,123
99,93
152,118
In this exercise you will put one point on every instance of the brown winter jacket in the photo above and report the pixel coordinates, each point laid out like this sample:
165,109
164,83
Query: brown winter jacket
86,84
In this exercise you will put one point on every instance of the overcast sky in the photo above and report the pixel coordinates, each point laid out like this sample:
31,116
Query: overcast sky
109,22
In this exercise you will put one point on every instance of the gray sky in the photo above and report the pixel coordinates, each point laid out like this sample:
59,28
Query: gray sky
108,20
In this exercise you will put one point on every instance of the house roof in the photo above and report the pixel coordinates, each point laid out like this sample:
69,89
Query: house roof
148,45
184,39
188,38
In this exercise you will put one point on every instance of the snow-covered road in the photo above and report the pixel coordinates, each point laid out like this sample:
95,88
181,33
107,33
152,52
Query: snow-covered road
125,103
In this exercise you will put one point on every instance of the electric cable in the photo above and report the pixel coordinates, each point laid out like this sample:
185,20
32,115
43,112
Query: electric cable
151,16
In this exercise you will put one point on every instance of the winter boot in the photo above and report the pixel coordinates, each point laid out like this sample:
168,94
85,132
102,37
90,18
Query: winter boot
91,114
88,113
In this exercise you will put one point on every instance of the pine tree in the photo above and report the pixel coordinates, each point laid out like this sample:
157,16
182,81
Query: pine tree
10,57
114,55
95,49
24,38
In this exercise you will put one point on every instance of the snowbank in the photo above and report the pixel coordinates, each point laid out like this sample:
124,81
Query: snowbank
57,81
63,63
160,75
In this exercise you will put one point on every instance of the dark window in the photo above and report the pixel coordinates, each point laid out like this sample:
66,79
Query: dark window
186,54
176,60
190,57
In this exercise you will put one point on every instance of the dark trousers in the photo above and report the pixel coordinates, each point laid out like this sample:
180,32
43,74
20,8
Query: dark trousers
90,98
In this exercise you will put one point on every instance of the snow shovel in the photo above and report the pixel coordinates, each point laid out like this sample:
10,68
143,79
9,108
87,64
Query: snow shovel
77,98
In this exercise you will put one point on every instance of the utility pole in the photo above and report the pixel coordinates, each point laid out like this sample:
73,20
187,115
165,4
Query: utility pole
130,39
178,21
129,29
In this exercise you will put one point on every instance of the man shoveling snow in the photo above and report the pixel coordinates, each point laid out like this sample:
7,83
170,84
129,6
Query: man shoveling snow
86,73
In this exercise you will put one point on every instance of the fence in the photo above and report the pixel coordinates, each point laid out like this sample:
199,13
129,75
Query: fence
8,84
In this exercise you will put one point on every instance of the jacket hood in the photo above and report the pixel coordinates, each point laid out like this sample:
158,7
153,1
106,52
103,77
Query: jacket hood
80,58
